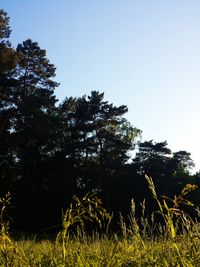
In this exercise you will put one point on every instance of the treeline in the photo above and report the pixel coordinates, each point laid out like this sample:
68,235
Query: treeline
50,151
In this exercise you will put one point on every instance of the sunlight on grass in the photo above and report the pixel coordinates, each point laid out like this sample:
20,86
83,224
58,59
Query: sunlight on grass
141,242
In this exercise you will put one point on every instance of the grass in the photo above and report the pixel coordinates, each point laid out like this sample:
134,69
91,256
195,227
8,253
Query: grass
174,243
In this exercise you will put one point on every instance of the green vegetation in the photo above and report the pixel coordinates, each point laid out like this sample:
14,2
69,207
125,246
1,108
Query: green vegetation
51,152
176,242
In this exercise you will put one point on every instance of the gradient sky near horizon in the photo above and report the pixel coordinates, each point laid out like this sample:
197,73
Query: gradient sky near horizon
144,54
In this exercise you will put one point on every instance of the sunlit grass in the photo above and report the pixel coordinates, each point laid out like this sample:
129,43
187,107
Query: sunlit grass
103,252
174,243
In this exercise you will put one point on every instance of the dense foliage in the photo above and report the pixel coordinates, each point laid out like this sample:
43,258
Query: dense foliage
50,151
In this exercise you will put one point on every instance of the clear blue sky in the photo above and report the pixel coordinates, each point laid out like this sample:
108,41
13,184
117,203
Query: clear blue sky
145,54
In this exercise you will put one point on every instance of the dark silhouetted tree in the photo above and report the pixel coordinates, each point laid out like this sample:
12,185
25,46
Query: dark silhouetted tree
98,141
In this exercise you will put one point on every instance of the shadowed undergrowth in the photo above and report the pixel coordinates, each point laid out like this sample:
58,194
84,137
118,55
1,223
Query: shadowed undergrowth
141,242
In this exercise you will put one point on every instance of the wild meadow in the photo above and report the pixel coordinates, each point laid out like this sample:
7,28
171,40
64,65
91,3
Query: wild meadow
140,241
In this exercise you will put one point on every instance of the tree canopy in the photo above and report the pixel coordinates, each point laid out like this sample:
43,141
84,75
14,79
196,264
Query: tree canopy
51,151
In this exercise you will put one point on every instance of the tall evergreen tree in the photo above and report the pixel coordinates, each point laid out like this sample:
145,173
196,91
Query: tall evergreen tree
27,119
8,61
100,141
33,123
